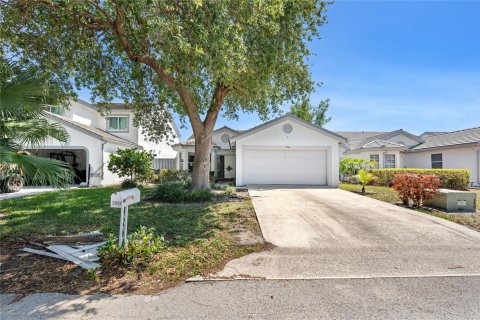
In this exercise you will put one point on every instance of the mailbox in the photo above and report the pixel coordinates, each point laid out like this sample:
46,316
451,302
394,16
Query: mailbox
125,198
122,200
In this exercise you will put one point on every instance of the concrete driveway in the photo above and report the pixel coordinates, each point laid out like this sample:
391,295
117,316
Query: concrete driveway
331,233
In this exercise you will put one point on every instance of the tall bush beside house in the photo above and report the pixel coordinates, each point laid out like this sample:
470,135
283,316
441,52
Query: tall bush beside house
134,164
351,166
457,179
416,187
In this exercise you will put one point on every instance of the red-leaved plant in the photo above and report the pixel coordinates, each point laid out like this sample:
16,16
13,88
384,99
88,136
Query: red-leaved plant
417,187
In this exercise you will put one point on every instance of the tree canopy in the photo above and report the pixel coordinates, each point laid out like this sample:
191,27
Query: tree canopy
308,112
195,57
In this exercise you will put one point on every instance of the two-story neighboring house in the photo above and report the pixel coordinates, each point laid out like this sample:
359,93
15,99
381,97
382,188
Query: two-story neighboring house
94,137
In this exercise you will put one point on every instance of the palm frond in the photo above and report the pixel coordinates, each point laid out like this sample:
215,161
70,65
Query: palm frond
37,170
32,133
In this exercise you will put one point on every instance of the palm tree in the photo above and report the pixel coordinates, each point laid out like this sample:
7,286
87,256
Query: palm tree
364,177
24,98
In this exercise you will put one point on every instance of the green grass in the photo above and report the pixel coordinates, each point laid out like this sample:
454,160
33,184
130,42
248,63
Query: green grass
200,237
375,192
82,210
390,195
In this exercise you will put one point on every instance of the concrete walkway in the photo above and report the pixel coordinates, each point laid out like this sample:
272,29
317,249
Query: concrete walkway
25,192
331,233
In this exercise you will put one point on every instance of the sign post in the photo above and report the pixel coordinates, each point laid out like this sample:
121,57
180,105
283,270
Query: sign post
122,200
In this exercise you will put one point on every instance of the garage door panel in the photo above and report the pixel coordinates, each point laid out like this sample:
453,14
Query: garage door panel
285,167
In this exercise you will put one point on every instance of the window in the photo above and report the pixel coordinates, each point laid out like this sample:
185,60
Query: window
389,161
117,123
376,158
437,161
57,110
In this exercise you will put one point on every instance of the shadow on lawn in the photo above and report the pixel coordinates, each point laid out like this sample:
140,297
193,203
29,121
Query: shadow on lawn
84,210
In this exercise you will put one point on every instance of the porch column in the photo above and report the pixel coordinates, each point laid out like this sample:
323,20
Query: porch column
185,160
213,161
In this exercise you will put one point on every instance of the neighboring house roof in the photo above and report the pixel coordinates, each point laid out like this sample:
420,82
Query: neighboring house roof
95,132
455,138
378,144
359,134
390,134
292,118
122,105
355,138
431,133
235,132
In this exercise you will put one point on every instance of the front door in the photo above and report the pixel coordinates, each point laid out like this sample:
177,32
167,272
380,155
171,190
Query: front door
221,167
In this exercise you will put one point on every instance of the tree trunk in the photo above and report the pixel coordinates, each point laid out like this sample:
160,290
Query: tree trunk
363,188
201,162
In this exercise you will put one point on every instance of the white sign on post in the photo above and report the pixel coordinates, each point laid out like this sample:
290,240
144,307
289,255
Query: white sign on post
123,199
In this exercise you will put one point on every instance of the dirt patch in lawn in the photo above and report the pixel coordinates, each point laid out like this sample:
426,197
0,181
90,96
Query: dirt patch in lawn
227,229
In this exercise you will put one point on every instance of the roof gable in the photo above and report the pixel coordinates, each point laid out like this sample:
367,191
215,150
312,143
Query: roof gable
95,132
290,117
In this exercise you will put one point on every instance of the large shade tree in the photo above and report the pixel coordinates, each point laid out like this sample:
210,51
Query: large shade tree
198,58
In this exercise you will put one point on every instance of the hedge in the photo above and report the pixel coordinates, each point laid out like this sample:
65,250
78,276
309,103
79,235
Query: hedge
457,179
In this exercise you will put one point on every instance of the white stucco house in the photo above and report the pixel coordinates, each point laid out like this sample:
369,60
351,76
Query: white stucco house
400,149
94,137
286,150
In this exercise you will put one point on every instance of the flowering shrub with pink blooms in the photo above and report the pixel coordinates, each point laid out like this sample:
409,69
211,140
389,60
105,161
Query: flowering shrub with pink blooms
416,187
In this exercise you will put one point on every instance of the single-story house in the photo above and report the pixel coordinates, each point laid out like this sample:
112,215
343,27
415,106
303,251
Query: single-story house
286,150
401,149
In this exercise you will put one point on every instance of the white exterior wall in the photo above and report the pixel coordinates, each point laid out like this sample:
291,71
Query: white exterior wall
93,147
399,159
163,149
301,136
217,138
454,158
83,114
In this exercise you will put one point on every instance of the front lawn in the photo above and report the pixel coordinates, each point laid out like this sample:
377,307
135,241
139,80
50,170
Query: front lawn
390,195
200,236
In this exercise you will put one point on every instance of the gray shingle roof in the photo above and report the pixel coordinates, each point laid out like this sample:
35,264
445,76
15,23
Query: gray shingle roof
104,135
466,136
355,138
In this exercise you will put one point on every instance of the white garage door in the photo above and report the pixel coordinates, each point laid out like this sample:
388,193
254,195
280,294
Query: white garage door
285,167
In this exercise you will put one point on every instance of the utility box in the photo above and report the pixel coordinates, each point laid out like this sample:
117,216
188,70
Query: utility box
454,200
125,198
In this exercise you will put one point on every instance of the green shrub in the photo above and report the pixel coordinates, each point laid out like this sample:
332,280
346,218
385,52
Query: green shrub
168,175
229,191
456,179
180,191
139,249
201,195
127,184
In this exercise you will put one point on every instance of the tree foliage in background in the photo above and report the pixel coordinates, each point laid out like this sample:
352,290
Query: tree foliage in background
316,115
196,57
24,99
351,166
132,163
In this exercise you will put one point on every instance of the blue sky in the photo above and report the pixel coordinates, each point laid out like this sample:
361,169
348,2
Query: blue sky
387,65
